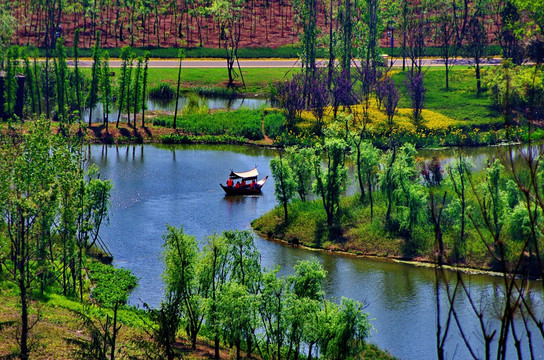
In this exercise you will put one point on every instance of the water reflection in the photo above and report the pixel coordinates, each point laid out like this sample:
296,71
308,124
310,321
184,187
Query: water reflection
212,103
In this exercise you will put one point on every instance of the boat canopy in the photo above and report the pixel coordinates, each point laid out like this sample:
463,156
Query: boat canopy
247,175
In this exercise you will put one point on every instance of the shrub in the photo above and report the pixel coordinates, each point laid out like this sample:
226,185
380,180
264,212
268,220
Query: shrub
111,285
195,105
162,91
273,124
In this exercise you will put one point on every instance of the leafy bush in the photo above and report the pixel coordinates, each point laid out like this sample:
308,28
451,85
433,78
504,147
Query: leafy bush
195,105
163,91
240,123
273,124
111,285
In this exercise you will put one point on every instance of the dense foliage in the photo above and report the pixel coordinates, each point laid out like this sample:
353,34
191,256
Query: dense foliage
53,204
222,291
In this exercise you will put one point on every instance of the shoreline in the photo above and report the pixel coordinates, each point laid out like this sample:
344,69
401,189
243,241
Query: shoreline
412,262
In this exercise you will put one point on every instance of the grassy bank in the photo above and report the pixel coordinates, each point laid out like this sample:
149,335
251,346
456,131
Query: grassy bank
60,328
362,234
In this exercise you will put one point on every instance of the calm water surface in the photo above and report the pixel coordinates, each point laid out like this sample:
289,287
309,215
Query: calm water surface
211,102
159,185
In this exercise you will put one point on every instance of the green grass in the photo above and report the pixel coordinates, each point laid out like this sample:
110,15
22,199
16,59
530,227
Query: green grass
461,102
308,226
240,123
258,80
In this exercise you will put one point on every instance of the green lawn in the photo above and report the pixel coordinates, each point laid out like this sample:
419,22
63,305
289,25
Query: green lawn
460,102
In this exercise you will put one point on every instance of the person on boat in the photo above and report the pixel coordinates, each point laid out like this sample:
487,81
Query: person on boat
237,185
229,182
243,183
253,184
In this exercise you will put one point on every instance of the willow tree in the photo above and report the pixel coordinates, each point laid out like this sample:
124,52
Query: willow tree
62,84
180,56
181,256
368,31
92,99
284,184
228,14
144,87
77,75
330,180
106,89
306,17
122,89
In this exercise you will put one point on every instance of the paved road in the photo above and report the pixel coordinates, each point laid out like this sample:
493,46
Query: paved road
264,63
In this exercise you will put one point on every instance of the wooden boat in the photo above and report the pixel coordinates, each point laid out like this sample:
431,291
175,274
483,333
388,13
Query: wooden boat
248,177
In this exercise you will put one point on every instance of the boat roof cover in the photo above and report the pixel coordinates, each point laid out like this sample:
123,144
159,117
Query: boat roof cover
251,174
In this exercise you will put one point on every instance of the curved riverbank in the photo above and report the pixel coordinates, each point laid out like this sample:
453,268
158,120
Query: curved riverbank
421,262
359,235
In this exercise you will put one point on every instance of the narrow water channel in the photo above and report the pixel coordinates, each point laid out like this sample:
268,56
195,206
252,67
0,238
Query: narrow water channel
179,185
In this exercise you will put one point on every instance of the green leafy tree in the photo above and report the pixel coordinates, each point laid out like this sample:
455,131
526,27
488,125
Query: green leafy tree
459,177
476,47
181,278
272,306
306,13
77,75
106,89
165,322
409,193
307,289
368,29
62,88
493,202
136,90
180,56
387,182
122,90
245,269
10,81
31,85
129,95
330,180
40,177
235,309
214,274
92,98
300,161
367,160
351,330
228,14
284,183
144,86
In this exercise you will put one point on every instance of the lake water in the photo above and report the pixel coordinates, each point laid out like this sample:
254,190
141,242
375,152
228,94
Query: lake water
179,185
161,105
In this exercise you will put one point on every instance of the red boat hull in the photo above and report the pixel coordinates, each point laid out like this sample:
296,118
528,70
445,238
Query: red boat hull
247,190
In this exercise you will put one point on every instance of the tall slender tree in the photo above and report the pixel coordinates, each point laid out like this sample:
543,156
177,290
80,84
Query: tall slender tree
106,90
92,98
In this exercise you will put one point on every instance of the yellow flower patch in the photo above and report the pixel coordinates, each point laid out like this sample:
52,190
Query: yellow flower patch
402,120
